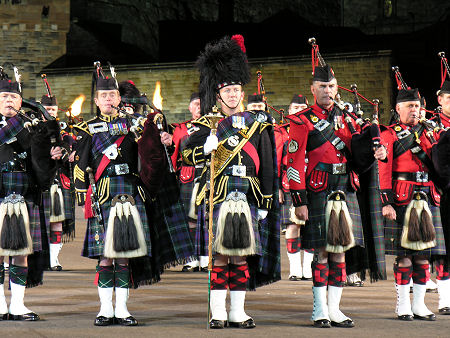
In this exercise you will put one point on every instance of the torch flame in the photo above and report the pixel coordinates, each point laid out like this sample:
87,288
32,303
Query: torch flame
157,98
75,108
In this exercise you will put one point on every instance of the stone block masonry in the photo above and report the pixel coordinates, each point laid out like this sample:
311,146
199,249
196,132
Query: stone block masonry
283,77
30,39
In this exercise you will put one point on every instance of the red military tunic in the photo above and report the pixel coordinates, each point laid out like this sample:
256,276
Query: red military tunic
316,168
298,170
399,190
402,176
281,142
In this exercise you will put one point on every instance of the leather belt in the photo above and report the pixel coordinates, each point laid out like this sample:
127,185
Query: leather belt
240,171
418,176
332,168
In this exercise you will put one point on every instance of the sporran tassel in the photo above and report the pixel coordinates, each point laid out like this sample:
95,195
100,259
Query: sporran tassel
333,229
345,237
414,233
426,227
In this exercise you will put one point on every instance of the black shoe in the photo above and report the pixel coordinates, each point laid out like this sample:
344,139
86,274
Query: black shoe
4,317
217,324
188,268
294,278
304,278
406,318
444,310
430,317
103,321
204,269
248,324
56,268
129,321
31,317
322,323
346,323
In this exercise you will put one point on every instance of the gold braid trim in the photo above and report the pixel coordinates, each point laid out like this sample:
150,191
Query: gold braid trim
103,189
78,174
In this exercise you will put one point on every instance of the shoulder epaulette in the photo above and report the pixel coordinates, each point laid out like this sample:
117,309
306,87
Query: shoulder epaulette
82,126
295,118
202,120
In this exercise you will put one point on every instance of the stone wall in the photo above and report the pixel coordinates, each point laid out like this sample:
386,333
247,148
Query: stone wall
283,77
30,39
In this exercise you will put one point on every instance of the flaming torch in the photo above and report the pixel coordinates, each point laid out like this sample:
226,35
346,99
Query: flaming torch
75,108
157,98
158,120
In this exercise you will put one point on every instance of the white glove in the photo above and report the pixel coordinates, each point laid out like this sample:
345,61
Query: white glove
262,214
211,144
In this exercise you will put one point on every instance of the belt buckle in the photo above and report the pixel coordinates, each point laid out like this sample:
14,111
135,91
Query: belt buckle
122,169
339,168
421,176
239,170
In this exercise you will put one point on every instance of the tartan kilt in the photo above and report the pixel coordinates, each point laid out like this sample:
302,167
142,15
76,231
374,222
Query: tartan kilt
186,194
393,233
314,234
69,212
202,236
284,209
93,248
18,182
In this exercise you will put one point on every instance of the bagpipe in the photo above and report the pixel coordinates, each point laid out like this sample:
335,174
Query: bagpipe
147,128
262,91
348,112
430,126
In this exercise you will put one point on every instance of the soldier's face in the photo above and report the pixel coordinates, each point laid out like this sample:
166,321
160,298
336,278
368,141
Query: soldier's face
256,106
232,96
444,102
107,98
324,92
194,108
409,112
8,100
296,107
52,110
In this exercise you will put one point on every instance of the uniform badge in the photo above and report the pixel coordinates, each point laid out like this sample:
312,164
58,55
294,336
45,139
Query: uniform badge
111,152
314,118
397,128
117,128
192,129
188,125
98,127
261,117
293,146
233,141
238,122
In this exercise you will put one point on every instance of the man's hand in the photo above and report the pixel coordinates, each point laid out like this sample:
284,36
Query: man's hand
281,196
302,213
166,139
212,142
262,213
380,153
389,212
56,153
72,156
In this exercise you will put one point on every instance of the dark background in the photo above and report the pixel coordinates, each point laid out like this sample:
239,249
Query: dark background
138,31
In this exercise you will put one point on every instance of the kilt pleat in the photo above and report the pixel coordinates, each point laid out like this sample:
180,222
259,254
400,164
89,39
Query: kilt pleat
393,233
285,209
93,248
314,233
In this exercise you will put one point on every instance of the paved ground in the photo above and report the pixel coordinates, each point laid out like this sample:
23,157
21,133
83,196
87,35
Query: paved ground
177,306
